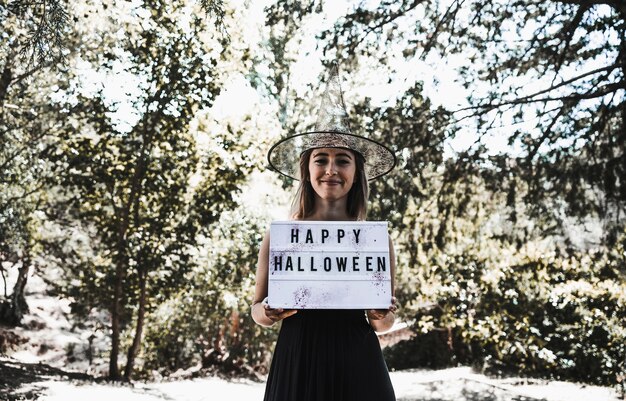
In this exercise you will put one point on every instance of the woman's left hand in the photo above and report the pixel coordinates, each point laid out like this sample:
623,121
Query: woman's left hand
379,314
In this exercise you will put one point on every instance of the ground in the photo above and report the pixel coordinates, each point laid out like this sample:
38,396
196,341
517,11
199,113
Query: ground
28,381
43,365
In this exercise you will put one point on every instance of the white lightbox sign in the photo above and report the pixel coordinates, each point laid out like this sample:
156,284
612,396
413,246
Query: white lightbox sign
329,265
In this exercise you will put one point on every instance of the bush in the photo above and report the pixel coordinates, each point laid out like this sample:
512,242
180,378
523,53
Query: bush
208,324
549,315
436,349
561,318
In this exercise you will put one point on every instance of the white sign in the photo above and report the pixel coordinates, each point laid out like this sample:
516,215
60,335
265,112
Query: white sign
329,265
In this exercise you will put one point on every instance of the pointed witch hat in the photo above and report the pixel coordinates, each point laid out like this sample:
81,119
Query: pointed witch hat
332,130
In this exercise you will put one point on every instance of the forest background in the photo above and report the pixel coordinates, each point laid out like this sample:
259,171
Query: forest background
133,177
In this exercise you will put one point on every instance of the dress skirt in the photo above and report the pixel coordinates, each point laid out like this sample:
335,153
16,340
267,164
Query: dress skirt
328,355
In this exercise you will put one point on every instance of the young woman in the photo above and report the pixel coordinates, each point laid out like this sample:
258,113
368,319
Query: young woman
327,355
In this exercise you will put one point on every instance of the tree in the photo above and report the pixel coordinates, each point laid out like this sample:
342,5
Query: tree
126,183
469,223
211,316
559,63
29,50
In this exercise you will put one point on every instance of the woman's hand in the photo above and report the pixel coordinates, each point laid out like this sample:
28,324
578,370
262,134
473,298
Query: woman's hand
276,315
382,319
379,314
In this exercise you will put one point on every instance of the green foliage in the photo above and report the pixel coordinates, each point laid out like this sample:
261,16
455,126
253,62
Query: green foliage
143,217
125,187
430,350
124,183
208,324
561,318
535,310
527,62
26,126
416,133
35,30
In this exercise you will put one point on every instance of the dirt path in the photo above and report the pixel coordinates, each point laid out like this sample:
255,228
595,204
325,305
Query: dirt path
24,381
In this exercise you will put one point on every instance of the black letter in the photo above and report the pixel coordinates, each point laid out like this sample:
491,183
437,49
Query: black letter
300,269
309,236
381,264
327,266
368,263
313,269
356,234
289,264
324,235
355,263
341,264
278,261
294,235
340,235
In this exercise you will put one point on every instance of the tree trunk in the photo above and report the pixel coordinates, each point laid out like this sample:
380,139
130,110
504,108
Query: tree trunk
122,266
20,307
136,346
120,274
13,310
5,81
4,280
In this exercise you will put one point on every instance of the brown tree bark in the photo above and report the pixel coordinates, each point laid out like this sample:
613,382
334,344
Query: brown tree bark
5,81
120,275
15,307
13,310
122,248
136,345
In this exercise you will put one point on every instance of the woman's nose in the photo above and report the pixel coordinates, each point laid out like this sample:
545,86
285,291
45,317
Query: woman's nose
331,169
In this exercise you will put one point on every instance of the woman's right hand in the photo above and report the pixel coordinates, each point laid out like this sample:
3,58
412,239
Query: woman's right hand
276,315
261,311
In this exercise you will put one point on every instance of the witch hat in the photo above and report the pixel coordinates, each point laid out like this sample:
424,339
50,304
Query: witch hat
332,130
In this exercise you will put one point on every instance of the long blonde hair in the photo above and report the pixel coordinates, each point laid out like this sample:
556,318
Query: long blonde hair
304,202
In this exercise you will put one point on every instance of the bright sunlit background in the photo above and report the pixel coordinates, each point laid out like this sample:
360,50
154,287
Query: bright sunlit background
135,189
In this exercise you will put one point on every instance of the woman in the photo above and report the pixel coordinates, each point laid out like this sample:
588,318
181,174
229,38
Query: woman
327,355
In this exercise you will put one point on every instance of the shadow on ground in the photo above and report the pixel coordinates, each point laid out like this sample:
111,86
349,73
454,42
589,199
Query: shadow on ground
462,390
18,380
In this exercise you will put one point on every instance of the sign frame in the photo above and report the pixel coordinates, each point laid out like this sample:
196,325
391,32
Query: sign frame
329,265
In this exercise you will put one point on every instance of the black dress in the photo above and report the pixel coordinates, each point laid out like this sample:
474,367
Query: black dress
328,355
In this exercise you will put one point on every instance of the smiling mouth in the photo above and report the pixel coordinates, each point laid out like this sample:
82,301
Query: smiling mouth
332,182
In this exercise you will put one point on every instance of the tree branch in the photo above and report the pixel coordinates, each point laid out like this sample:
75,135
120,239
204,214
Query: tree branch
446,17
545,135
618,5
571,28
385,20
532,98
27,145
572,80
25,194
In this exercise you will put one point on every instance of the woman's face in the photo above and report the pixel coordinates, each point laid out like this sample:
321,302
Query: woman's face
332,172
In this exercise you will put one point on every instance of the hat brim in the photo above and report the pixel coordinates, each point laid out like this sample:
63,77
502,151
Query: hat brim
284,156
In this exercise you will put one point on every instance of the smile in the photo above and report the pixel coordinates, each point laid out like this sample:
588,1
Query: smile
332,182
